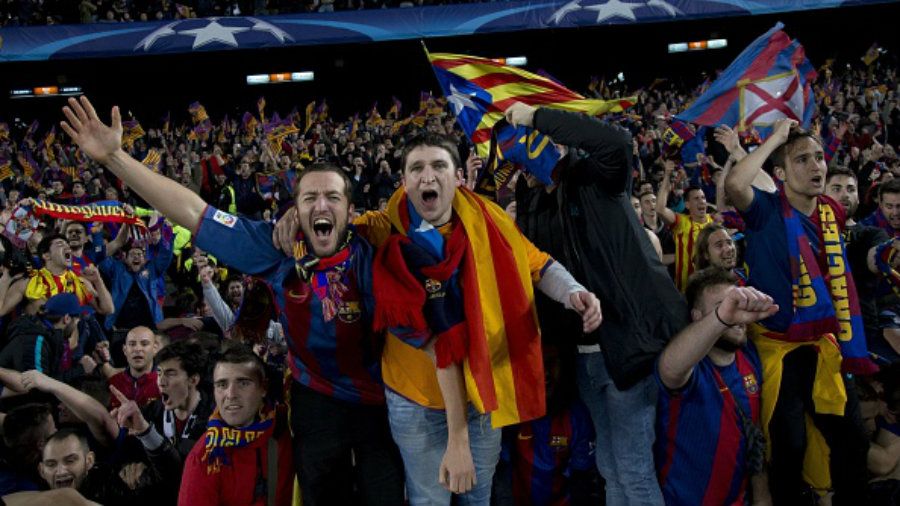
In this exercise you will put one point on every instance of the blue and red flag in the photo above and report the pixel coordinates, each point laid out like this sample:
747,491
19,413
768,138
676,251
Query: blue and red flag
771,79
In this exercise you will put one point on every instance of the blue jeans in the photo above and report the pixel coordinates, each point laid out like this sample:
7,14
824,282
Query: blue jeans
624,422
421,435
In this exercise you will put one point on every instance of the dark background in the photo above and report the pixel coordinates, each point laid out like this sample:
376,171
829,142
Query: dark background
351,77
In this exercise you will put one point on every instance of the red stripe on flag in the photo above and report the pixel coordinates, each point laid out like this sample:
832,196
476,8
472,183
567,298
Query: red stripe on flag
448,64
488,81
522,334
550,97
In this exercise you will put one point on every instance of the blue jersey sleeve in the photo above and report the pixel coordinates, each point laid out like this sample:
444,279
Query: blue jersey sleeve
764,206
243,244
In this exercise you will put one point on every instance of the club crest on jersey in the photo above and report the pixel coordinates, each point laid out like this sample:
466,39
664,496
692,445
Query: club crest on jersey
349,312
750,384
433,287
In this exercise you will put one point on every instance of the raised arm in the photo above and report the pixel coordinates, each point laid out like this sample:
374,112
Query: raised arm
608,147
104,144
662,196
742,305
739,182
85,407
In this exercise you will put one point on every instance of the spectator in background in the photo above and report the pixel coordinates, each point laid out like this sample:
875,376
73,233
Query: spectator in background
138,380
685,227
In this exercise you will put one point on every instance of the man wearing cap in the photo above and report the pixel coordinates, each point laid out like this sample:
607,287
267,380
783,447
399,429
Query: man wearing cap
48,342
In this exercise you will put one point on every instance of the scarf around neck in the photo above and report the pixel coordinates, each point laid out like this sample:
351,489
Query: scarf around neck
219,436
326,275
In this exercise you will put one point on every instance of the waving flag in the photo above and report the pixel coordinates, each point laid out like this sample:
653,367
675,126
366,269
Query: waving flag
153,160
525,148
394,111
310,116
480,90
261,106
32,171
771,79
131,131
6,171
872,54
198,112
4,131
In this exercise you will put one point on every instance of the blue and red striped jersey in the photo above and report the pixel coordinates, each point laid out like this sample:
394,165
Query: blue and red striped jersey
700,447
339,358
544,452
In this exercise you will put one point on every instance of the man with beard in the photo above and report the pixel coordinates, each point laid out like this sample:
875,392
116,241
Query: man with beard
82,254
715,247
710,381
325,295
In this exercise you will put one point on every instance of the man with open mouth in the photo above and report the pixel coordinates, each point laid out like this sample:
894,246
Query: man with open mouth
324,293
55,277
454,285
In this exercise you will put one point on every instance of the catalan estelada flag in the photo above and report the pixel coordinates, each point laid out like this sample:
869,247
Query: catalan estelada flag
153,160
6,171
480,90
131,131
771,79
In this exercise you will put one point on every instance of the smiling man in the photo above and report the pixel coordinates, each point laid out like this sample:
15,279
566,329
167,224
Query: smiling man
324,293
887,216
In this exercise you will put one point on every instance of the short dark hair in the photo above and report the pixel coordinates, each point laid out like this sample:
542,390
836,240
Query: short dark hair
70,223
692,188
326,167
892,186
430,139
780,154
703,279
644,194
66,433
44,245
239,353
22,419
839,171
190,356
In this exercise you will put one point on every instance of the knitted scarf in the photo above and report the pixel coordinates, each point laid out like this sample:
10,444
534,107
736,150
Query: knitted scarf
219,436
472,290
824,304
326,275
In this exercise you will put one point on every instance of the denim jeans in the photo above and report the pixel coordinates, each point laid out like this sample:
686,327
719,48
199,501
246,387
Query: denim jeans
421,435
624,422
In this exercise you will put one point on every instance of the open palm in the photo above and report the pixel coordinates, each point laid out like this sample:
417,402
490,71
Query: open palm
96,139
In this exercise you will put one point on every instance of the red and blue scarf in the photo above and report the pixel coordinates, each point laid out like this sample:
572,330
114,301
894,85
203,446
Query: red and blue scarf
824,304
219,436
327,276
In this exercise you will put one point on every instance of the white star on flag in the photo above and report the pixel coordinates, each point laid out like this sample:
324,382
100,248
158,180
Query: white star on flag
214,32
460,100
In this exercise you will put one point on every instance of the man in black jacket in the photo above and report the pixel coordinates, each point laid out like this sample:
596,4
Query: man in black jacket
585,221
44,343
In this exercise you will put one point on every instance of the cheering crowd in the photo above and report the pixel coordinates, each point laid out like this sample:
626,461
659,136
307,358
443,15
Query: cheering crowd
681,316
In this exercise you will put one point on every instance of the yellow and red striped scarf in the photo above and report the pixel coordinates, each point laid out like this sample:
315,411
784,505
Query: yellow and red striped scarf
502,366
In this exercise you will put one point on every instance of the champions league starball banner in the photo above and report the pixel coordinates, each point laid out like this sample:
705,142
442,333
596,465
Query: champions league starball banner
217,34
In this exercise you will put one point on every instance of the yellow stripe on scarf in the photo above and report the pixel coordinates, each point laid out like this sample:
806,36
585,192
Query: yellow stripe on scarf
469,212
829,396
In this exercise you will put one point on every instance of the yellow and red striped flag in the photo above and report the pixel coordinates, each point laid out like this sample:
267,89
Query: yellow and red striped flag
479,90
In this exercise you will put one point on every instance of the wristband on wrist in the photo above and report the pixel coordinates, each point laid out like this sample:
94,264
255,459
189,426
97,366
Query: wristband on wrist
716,311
